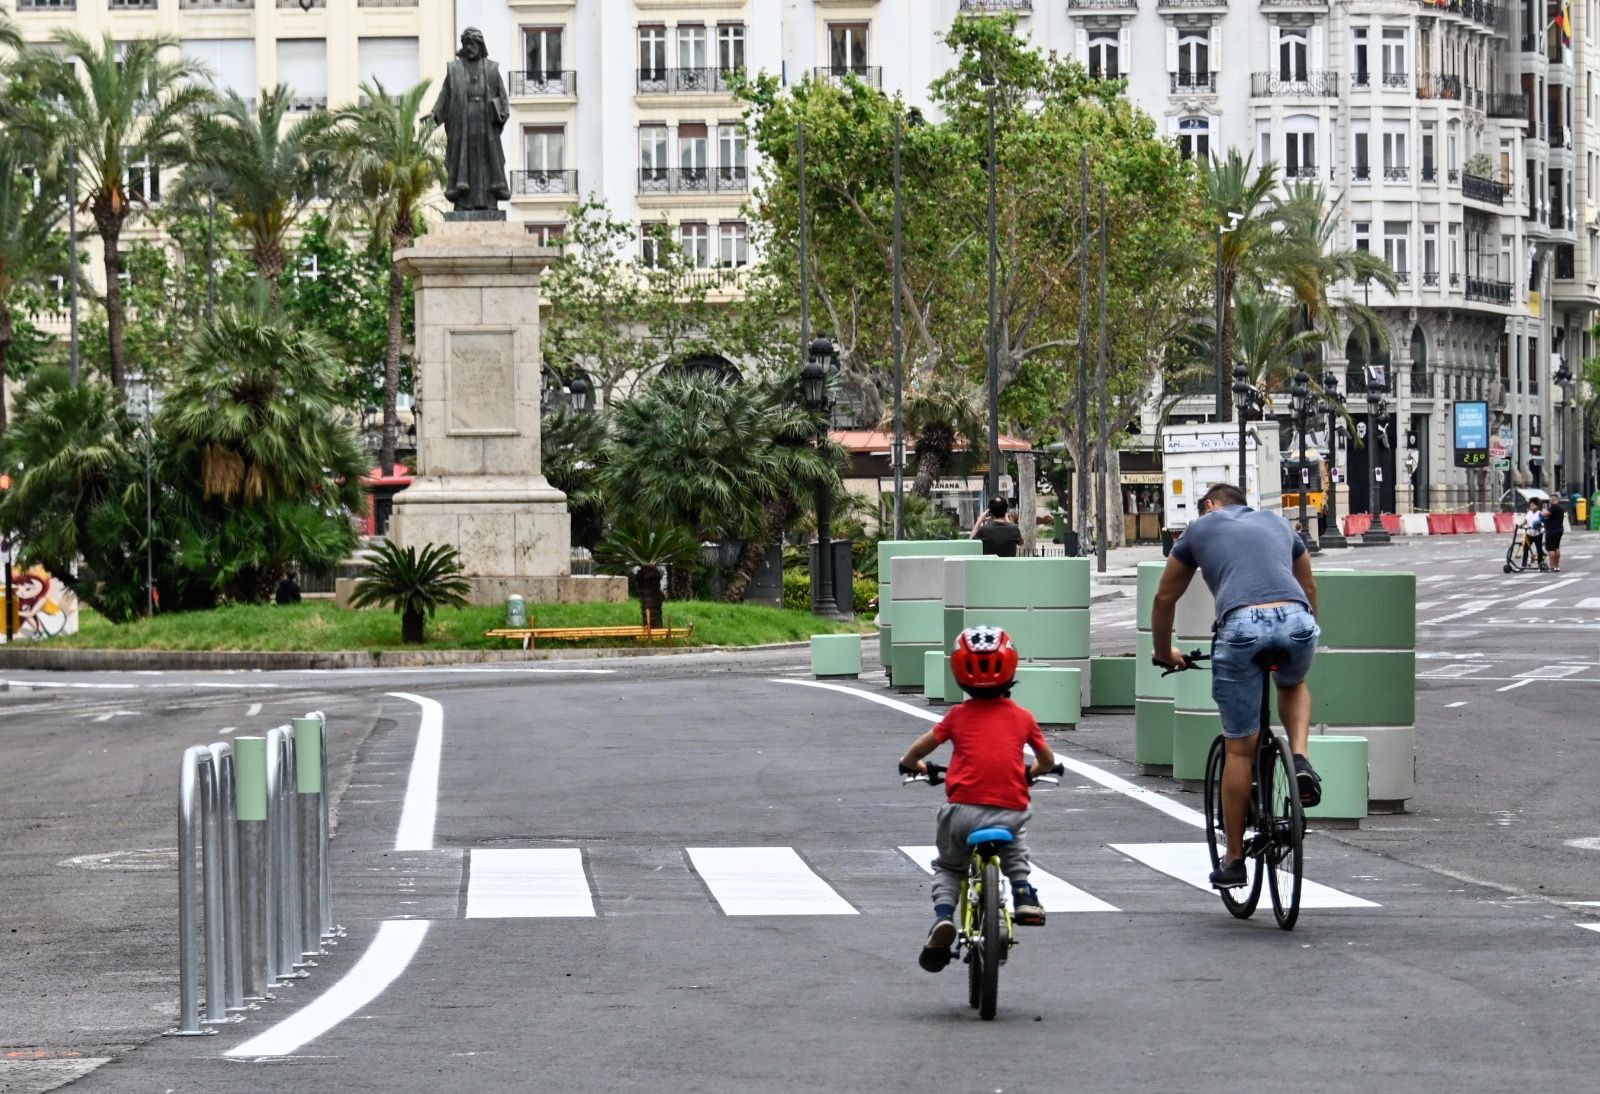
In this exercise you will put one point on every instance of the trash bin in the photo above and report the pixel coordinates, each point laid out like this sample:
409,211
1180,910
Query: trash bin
516,611
1069,542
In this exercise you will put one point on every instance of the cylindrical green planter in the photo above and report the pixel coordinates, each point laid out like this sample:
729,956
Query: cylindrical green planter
1195,723
1152,702
1111,683
1050,693
888,551
1341,761
1042,603
1152,735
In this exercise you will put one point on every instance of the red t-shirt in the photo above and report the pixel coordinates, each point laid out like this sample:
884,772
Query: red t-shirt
988,767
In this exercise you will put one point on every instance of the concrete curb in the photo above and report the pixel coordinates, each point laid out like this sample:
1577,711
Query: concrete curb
51,660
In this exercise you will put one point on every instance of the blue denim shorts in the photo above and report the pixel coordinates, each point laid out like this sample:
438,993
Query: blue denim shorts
1236,678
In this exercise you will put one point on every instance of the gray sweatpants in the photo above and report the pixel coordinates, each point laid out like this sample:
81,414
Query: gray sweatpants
955,822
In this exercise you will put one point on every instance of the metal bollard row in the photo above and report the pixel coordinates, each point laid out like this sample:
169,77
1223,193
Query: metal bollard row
255,812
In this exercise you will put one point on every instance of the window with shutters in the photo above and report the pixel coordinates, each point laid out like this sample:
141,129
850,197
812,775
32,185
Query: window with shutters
847,47
1396,244
1300,150
694,237
692,50
1194,138
542,52
231,63
1394,57
1293,55
652,53
544,148
653,161
733,243
303,65
392,62
692,150
732,153
1194,60
1103,55
730,47
1396,165
1359,74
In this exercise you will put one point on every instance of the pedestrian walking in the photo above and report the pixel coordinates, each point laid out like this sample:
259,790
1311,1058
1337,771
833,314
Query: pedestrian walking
1555,526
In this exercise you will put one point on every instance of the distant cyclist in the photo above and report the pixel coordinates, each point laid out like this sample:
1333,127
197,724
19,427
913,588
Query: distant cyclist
1259,573
986,783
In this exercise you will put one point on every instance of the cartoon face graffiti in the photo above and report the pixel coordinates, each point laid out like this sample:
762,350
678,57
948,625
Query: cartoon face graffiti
44,607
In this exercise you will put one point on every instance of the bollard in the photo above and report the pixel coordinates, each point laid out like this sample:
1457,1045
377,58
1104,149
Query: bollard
282,856
195,772
250,778
327,928
228,816
308,816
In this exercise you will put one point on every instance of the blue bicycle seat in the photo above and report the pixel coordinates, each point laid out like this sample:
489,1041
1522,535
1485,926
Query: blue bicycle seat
989,835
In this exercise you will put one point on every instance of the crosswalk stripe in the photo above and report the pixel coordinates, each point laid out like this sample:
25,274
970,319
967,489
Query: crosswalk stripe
1590,602
528,883
1531,605
765,881
1191,864
1058,895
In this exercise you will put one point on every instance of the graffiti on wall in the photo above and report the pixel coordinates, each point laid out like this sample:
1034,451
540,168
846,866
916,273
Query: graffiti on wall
41,606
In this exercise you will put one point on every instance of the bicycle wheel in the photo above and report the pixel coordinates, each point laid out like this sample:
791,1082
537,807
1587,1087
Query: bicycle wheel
991,943
1216,837
1514,563
1283,857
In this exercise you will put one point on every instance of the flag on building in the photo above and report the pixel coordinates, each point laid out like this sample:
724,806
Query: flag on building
1564,25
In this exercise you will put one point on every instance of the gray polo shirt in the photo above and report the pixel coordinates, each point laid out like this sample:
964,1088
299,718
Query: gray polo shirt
1244,556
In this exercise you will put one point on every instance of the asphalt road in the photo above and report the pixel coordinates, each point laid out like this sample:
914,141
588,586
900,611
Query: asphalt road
1468,971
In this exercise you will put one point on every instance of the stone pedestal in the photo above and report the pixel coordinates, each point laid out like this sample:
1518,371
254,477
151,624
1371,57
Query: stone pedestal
478,485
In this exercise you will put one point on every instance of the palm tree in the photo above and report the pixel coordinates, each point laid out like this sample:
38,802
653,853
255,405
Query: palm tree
1310,262
937,416
391,163
10,37
30,248
1237,196
1267,339
417,585
129,109
649,554
264,173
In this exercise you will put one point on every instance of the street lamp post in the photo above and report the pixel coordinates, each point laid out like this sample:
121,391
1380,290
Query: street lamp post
1332,537
1301,394
1376,534
993,379
822,360
1243,399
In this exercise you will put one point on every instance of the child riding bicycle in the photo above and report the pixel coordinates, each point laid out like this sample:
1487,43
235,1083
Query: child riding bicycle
987,781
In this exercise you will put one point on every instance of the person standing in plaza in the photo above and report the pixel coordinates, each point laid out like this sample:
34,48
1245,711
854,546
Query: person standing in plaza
998,535
1555,526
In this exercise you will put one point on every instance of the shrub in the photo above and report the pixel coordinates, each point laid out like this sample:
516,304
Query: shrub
416,585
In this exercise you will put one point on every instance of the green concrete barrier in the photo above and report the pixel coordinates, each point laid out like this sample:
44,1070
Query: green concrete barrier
1050,693
1362,610
1043,603
888,551
1111,683
1195,723
1152,692
1341,761
835,655
933,677
918,617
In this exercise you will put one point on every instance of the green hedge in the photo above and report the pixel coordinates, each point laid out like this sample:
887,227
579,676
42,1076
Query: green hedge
797,591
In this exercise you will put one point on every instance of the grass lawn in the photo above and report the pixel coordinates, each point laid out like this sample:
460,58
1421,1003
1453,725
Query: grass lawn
319,625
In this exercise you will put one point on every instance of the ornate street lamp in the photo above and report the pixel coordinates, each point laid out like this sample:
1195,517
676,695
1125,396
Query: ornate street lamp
1377,405
822,361
579,392
1331,403
1300,394
1244,400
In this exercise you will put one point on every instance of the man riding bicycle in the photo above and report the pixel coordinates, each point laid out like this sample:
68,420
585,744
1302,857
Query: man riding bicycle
1259,573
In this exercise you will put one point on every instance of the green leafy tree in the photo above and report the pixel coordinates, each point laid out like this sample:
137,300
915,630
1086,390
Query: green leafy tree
131,106
415,584
572,450
31,249
725,461
263,171
271,477
390,162
340,287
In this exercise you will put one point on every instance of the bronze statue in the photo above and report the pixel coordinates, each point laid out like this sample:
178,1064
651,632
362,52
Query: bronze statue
473,108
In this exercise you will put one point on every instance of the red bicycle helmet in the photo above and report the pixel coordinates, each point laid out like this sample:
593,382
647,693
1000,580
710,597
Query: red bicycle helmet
984,658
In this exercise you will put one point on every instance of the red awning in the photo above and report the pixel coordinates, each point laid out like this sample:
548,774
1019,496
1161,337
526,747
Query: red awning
376,477
878,442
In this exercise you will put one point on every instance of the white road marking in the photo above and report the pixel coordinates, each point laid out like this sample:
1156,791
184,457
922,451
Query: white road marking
1452,706
1436,577
765,881
1590,602
1473,607
1516,684
1552,672
1588,926
52,684
255,708
1451,672
225,730
422,788
1191,864
1058,895
110,714
1159,802
391,951
1537,602
528,883
1424,605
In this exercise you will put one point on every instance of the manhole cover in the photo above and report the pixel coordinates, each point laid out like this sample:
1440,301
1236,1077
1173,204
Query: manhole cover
141,860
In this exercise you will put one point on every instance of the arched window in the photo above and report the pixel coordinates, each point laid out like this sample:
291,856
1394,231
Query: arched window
706,364
1194,138
1419,362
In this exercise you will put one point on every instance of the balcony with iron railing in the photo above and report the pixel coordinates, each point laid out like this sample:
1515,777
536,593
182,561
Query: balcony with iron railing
871,75
526,184
1508,104
136,5
981,6
694,180
1396,172
304,104
1309,85
1300,171
1189,5
301,5
1489,292
1430,280
1431,86
46,5
538,84
1560,136
1479,188
687,81
1484,12
1361,172
386,3
216,5
1430,173
1421,378
1193,83
1102,5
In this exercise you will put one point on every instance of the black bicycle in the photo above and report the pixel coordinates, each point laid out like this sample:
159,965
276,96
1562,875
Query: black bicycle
1275,825
984,929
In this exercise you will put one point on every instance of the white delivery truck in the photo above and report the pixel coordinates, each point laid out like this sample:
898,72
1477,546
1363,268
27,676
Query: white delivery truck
1196,457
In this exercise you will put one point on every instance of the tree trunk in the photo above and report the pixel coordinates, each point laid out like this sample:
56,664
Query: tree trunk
929,463
1225,335
110,225
751,556
270,260
1028,502
398,240
411,624
650,598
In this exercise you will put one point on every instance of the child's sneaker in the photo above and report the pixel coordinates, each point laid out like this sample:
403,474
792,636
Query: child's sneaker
1025,906
936,951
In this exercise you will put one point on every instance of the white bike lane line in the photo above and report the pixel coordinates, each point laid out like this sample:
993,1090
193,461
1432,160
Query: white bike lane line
397,941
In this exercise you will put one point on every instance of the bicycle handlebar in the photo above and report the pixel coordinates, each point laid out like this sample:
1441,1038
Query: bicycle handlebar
1193,657
935,774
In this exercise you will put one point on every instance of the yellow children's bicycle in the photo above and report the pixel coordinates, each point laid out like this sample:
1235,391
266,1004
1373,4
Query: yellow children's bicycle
985,931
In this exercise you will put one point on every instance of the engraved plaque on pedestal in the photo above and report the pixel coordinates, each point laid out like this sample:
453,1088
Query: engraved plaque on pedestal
480,375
